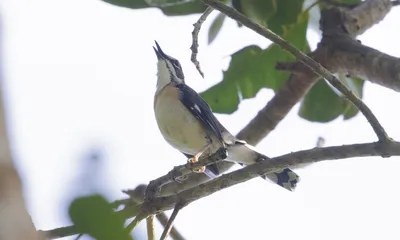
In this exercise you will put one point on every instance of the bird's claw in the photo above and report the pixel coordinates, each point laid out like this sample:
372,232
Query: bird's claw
199,169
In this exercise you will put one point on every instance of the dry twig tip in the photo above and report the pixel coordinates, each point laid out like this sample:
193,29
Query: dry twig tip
195,39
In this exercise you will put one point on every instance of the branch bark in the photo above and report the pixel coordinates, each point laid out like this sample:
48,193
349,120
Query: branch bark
354,21
350,56
341,25
385,149
151,234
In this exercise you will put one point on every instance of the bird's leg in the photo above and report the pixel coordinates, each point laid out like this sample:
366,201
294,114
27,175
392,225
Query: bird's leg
196,158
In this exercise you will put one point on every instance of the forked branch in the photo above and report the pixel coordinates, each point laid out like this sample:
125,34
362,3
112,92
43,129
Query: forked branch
306,60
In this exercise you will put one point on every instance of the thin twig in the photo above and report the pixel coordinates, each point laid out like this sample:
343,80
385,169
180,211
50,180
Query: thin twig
150,228
142,215
174,233
195,39
171,220
136,198
79,236
320,142
306,60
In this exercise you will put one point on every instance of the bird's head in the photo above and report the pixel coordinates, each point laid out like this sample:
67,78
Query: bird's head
168,69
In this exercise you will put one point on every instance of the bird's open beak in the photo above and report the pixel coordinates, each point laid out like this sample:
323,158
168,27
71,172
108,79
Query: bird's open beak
160,54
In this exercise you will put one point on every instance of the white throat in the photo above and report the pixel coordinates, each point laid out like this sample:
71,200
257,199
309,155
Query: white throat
163,75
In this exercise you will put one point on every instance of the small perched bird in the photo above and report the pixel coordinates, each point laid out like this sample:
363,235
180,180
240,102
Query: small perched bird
188,124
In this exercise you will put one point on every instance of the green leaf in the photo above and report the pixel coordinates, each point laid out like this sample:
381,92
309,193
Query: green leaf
273,54
349,1
243,73
134,4
252,69
258,10
163,3
168,7
287,13
323,103
93,215
215,27
184,8
274,14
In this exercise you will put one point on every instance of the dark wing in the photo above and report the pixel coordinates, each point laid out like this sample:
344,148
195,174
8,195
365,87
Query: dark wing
200,109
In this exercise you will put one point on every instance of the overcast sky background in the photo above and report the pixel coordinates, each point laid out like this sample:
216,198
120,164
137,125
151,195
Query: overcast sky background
80,77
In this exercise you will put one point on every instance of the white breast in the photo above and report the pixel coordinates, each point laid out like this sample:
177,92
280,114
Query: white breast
178,126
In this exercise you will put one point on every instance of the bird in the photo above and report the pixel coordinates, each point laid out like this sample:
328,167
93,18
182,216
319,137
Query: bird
188,124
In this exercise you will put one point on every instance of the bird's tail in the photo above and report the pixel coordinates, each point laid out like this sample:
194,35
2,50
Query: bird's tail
245,154
212,171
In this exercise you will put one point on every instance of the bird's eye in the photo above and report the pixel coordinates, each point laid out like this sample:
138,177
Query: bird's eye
176,64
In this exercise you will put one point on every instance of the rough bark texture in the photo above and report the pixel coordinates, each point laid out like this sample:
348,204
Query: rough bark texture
341,25
354,21
350,56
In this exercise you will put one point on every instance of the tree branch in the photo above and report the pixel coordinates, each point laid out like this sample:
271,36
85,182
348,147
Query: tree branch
155,186
354,21
174,233
350,56
150,228
306,60
170,222
160,204
195,39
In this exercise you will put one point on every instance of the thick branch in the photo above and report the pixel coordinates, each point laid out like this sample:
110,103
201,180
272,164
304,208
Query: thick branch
350,56
293,159
367,14
185,197
354,21
302,157
155,186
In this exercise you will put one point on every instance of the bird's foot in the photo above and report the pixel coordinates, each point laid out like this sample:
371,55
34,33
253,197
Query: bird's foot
195,159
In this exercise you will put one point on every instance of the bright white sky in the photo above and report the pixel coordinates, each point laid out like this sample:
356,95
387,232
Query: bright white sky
80,75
